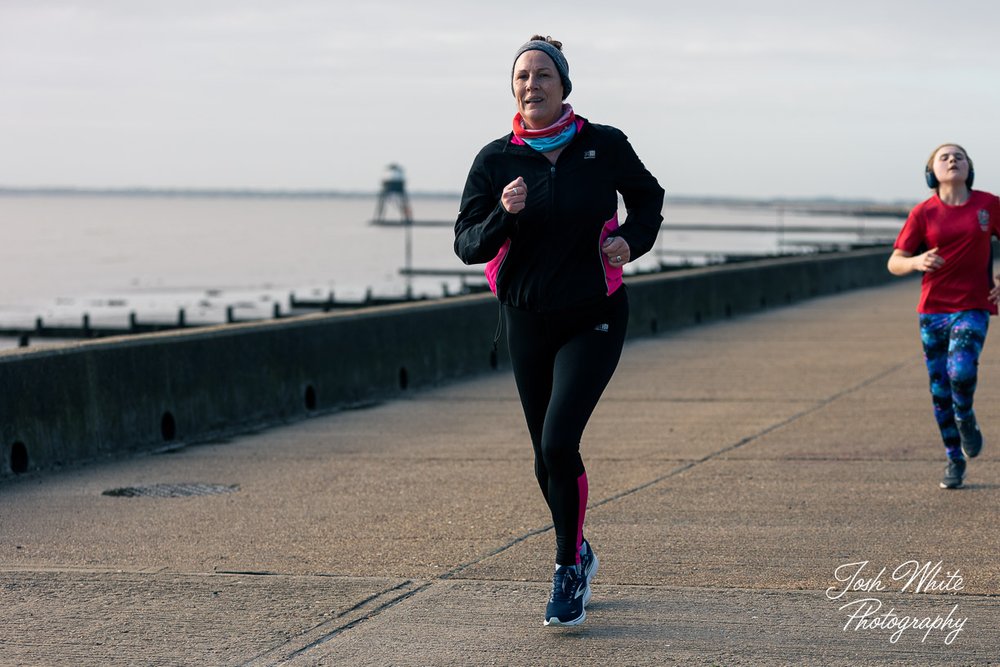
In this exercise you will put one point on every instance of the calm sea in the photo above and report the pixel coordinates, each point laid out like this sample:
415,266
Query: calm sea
108,256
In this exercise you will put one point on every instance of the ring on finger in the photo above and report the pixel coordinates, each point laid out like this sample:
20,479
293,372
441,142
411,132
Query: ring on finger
618,258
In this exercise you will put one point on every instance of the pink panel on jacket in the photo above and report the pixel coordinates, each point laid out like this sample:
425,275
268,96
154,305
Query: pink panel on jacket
493,266
612,274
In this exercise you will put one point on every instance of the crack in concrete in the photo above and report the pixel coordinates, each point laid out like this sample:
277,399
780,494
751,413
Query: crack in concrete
452,574
689,465
321,633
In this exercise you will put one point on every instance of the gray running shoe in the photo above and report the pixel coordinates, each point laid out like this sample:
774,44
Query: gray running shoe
972,439
954,474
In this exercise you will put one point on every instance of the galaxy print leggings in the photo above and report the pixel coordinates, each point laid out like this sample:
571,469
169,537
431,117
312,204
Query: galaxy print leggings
952,343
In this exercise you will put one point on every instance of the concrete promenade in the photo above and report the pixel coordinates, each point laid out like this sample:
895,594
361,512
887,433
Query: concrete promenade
733,467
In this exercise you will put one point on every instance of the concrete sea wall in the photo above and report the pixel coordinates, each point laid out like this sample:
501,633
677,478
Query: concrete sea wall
86,401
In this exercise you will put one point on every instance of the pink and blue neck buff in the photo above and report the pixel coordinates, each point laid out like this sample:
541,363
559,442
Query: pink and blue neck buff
550,138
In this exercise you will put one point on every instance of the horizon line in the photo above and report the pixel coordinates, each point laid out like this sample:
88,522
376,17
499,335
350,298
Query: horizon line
279,193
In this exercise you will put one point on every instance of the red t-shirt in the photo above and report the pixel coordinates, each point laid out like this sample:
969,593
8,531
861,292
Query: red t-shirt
962,236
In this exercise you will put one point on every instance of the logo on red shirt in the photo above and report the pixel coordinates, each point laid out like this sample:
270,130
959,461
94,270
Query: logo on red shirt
984,220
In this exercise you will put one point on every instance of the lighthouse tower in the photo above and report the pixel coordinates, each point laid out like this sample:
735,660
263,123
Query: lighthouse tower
393,190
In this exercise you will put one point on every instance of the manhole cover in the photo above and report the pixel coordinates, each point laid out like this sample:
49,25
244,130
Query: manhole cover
172,490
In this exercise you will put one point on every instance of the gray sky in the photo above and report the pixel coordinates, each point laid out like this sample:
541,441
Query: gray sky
765,99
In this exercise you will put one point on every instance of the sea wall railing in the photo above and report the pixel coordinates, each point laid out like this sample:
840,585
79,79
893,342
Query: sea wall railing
66,404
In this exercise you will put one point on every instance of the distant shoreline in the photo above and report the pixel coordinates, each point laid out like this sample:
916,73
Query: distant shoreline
224,193
817,205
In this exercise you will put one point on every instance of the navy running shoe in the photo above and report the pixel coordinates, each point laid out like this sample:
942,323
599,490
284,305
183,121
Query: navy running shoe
589,564
972,439
566,602
954,474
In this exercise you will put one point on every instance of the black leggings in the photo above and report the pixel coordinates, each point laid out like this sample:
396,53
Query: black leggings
562,362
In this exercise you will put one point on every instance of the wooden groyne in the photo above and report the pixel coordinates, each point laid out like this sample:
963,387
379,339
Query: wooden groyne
86,329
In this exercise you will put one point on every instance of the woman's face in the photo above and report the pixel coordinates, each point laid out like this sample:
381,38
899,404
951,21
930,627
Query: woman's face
538,89
951,165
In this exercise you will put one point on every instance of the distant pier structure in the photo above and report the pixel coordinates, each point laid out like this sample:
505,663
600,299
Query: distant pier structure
393,194
393,191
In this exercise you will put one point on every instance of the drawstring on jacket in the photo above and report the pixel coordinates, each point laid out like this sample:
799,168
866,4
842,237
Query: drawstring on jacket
496,336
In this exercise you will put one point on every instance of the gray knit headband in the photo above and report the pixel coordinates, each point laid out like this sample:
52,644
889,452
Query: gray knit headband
552,52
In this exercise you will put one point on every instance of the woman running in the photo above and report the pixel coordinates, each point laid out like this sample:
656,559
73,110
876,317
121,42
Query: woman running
540,205
948,238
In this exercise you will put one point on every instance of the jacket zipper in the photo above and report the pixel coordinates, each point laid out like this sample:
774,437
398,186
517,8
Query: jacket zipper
552,188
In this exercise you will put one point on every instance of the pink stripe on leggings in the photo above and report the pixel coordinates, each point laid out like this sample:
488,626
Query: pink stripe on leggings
582,490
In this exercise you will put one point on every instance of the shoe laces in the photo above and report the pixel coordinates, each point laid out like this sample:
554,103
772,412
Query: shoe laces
564,582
